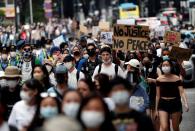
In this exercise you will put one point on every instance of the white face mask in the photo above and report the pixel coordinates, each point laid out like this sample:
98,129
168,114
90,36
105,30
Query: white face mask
92,119
24,96
12,84
48,112
166,69
13,54
107,62
86,56
71,109
68,65
120,97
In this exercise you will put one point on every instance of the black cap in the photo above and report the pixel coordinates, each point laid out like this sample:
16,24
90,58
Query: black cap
4,49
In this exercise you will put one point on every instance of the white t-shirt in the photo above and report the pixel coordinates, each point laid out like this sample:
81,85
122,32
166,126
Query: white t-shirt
26,70
21,115
108,70
72,78
4,127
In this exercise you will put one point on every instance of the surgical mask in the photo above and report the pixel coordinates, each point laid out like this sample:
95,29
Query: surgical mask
49,68
92,119
3,83
38,76
68,65
120,97
12,84
48,112
107,62
86,56
71,109
24,96
4,56
166,69
13,54
166,57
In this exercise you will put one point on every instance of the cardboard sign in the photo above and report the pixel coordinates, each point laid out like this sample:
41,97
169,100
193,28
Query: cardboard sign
95,30
83,29
106,37
180,54
172,37
57,41
104,26
128,37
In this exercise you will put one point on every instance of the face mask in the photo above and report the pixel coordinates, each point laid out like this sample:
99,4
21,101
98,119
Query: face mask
13,54
107,62
3,83
48,112
86,56
49,68
166,57
4,56
68,65
92,119
38,76
12,84
91,52
166,69
27,54
120,97
71,109
76,53
24,96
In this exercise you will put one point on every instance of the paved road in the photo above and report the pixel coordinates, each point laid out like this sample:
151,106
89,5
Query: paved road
188,123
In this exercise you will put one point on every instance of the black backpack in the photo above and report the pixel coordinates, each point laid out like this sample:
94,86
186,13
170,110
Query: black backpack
115,68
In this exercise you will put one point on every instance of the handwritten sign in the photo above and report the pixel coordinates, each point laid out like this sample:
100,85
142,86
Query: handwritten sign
128,37
180,53
57,41
172,37
106,37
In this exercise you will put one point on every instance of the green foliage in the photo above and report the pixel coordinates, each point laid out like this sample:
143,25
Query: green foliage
2,13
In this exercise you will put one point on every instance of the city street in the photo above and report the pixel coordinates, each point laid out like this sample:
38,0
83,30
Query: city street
188,123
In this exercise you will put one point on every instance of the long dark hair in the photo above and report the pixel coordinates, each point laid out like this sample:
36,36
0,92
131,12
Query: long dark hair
107,124
38,121
89,83
46,81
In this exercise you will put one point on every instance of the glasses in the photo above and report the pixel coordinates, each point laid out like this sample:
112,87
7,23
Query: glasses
46,94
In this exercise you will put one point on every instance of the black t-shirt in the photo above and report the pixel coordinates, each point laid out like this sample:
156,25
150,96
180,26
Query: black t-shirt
132,121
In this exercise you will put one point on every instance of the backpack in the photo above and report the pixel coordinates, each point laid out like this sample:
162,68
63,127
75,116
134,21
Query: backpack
115,68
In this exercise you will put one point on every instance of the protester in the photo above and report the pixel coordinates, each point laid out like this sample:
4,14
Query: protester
107,67
41,74
94,114
85,87
168,97
24,110
4,58
61,75
13,60
48,108
73,74
71,103
11,93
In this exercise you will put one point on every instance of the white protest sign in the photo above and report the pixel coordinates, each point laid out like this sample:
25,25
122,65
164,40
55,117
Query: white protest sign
160,31
57,41
126,21
106,37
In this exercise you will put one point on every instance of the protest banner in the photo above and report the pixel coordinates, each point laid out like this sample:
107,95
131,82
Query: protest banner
95,30
172,37
104,26
57,41
106,37
180,54
128,37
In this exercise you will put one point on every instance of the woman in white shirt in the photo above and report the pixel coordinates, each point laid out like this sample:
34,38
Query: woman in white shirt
24,110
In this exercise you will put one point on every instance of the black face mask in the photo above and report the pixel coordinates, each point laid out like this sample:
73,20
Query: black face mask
91,52
76,53
26,54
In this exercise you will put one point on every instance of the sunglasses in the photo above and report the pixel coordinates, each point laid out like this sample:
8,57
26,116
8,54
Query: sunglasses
46,94
27,49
